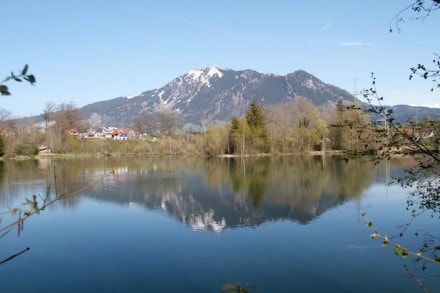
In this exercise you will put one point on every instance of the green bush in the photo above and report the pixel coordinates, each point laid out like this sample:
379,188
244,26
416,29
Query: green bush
25,150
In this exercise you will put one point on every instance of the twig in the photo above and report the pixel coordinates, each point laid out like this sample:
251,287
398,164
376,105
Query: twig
14,255
399,250
419,283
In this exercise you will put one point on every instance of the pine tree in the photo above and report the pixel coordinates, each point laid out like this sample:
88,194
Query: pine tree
234,135
257,125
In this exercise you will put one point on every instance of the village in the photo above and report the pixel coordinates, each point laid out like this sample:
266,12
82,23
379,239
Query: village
106,132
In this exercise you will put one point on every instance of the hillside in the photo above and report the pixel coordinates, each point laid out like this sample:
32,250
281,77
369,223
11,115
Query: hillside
215,95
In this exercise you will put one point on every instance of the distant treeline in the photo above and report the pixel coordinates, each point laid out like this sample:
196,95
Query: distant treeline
296,126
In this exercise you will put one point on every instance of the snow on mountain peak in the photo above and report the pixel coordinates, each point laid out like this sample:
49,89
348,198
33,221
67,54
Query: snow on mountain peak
204,75
195,74
214,71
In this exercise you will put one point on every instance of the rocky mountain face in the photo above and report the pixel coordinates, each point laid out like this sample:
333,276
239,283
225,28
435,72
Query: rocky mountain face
214,95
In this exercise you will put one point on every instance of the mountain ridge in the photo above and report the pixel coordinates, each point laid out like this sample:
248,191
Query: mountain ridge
214,94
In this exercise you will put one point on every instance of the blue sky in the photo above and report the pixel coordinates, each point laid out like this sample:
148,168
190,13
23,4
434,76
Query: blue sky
91,50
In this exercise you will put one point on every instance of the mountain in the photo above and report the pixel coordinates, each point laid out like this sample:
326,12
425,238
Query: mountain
215,94
404,113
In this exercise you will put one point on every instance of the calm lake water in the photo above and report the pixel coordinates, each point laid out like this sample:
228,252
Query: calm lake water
173,224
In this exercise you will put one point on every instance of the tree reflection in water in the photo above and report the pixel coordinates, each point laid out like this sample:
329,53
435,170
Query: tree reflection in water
217,193
214,194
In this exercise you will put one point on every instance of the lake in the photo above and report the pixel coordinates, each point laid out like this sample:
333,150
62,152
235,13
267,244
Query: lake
184,224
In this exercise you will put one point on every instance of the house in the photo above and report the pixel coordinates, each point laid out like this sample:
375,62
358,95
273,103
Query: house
122,134
44,150
109,132
93,133
417,133
115,133
73,131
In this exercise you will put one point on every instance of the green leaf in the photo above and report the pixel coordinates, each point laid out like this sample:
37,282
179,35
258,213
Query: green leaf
385,241
375,234
4,90
30,78
25,69
36,208
398,249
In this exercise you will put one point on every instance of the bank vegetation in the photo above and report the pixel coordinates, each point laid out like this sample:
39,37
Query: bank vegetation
296,126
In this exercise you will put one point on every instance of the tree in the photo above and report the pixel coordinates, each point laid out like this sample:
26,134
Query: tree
167,122
147,123
295,126
95,120
47,113
311,128
138,125
67,117
257,126
337,122
280,121
351,129
5,119
216,141
234,135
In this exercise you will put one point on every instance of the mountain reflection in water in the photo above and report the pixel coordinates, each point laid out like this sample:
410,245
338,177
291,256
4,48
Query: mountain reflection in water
207,194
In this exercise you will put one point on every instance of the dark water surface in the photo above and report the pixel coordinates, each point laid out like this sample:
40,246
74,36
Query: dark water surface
172,224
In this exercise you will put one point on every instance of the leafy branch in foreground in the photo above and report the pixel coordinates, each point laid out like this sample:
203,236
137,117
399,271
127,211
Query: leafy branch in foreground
371,95
410,140
21,76
428,73
422,9
398,248
404,252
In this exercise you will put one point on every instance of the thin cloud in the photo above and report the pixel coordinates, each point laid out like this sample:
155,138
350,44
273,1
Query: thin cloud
326,27
188,21
431,105
323,30
208,27
356,44
134,10
175,18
